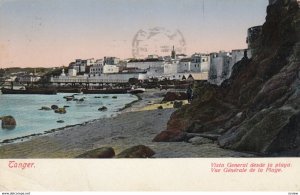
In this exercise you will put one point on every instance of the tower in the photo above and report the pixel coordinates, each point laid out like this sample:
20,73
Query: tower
173,54
63,72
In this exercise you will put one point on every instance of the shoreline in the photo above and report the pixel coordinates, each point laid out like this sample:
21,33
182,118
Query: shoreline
30,136
131,126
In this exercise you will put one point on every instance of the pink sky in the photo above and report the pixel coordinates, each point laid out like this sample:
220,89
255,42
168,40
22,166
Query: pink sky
54,33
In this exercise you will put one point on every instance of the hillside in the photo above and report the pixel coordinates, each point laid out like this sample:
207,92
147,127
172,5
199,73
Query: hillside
258,108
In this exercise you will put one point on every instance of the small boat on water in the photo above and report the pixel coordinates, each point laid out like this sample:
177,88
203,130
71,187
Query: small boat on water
68,90
43,91
134,90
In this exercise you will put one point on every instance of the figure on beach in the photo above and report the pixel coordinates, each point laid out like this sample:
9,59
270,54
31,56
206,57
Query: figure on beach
189,93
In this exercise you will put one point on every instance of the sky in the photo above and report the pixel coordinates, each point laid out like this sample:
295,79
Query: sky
48,33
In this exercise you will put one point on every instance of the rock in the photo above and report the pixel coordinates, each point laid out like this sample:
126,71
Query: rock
211,136
105,96
114,97
221,131
81,100
257,107
54,107
200,141
66,106
69,98
105,152
45,108
170,136
103,108
139,151
172,96
267,131
160,107
60,121
97,97
60,110
8,122
177,104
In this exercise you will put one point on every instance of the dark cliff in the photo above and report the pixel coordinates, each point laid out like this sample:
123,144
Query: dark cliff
258,108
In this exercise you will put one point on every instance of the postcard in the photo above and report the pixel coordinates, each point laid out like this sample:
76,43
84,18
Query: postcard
150,95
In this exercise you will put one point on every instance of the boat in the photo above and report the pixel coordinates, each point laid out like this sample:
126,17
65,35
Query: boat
134,90
43,91
68,90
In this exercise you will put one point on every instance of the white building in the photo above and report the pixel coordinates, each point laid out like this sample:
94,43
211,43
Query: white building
72,72
180,56
171,67
236,56
184,65
28,78
111,60
155,72
90,62
219,67
79,65
104,78
200,62
153,57
96,68
145,64
109,69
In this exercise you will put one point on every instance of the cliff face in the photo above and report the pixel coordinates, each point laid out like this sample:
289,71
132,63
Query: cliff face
258,108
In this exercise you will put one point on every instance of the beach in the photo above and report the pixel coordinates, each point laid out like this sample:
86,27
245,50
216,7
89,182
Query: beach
138,124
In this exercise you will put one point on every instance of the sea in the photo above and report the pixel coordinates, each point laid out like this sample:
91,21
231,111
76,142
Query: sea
31,120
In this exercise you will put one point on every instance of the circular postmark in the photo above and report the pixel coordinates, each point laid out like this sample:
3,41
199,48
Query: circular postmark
157,41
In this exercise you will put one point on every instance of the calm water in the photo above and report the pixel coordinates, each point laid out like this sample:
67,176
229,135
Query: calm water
25,109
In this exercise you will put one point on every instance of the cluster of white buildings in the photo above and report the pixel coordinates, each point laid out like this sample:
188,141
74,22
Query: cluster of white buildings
214,67
22,77
211,67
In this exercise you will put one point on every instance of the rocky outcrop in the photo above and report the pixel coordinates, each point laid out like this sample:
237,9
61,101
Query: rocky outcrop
139,151
8,122
170,136
172,96
103,108
54,107
160,107
177,104
200,141
105,152
60,110
45,108
257,108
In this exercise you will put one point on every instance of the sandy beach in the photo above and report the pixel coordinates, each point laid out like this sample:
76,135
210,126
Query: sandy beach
135,125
